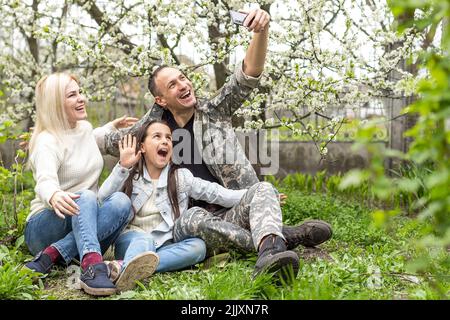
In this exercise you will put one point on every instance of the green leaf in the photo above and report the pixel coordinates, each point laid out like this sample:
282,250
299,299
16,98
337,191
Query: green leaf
21,154
353,178
19,241
379,218
409,185
27,296
437,178
394,154
127,295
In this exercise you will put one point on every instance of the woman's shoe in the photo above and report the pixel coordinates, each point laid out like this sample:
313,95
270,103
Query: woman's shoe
94,280
41,263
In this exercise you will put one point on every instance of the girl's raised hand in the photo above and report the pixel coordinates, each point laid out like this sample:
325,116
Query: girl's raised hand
127,148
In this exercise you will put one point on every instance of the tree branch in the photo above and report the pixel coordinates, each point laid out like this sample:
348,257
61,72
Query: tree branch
101,18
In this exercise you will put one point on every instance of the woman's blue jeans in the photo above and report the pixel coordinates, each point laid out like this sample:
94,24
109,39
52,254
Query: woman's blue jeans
173,256
94,229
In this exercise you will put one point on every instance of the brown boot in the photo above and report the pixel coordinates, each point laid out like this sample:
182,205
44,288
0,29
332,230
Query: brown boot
309,234
274,257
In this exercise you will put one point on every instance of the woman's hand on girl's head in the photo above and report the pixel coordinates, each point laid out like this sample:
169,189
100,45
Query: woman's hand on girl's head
127,148
124,122
62,203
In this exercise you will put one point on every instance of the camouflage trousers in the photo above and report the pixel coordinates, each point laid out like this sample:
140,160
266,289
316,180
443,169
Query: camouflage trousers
239,228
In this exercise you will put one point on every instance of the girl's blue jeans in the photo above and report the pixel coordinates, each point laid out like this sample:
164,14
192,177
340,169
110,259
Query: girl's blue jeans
173,256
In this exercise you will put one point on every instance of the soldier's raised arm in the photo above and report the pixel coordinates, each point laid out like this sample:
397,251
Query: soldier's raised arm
248,72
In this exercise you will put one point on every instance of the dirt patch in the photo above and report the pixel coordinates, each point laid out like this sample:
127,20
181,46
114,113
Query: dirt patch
62,284
309,254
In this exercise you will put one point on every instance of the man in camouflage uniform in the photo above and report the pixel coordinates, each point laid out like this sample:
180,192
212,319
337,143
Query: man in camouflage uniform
255,223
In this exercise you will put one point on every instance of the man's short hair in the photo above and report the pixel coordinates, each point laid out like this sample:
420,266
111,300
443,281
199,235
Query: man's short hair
152,80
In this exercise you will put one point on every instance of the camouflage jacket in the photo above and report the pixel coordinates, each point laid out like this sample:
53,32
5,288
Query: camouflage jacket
213,132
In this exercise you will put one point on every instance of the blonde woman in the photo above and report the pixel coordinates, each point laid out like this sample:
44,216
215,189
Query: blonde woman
65,219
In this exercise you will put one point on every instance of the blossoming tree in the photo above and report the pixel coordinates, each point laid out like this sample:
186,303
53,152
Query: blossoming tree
340,53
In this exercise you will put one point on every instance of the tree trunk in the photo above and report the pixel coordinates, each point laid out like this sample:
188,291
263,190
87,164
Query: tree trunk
34,50
400,124
220,68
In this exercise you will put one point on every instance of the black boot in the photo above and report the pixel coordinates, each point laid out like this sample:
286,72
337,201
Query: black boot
273,256
309,234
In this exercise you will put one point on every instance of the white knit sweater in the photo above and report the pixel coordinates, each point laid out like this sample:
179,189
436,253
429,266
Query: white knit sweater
71,166
149,217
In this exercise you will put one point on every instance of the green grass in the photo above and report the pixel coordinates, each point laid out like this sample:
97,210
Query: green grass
361,261
16,282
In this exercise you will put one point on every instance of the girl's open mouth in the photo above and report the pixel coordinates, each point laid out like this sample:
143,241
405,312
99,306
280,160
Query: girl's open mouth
163,152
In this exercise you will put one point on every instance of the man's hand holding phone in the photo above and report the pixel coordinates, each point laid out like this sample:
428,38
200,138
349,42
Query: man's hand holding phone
256,20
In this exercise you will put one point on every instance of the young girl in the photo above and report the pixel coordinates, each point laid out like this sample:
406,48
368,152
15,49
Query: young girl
159,194
65,220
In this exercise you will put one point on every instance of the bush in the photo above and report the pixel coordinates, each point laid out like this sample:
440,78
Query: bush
16,282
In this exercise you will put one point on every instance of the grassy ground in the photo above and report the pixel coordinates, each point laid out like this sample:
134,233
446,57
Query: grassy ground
359,262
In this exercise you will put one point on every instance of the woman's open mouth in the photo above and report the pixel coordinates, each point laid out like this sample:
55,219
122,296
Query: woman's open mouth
80,108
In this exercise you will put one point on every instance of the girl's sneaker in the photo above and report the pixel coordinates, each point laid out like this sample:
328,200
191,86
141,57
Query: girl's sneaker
140,267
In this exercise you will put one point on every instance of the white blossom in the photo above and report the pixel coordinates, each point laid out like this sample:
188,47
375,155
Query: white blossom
320,57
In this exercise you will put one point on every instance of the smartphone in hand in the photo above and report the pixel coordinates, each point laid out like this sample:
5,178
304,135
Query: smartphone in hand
238,17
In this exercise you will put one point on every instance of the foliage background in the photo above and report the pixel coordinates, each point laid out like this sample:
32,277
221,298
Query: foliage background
324,56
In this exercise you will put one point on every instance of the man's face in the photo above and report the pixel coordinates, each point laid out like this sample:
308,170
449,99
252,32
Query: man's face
175,90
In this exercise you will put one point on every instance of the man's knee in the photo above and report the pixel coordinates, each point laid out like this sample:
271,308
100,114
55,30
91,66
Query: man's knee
264,186
194,213
261,188
193,216
189,223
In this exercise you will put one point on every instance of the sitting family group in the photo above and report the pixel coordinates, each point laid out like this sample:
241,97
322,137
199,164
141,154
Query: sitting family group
158,213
